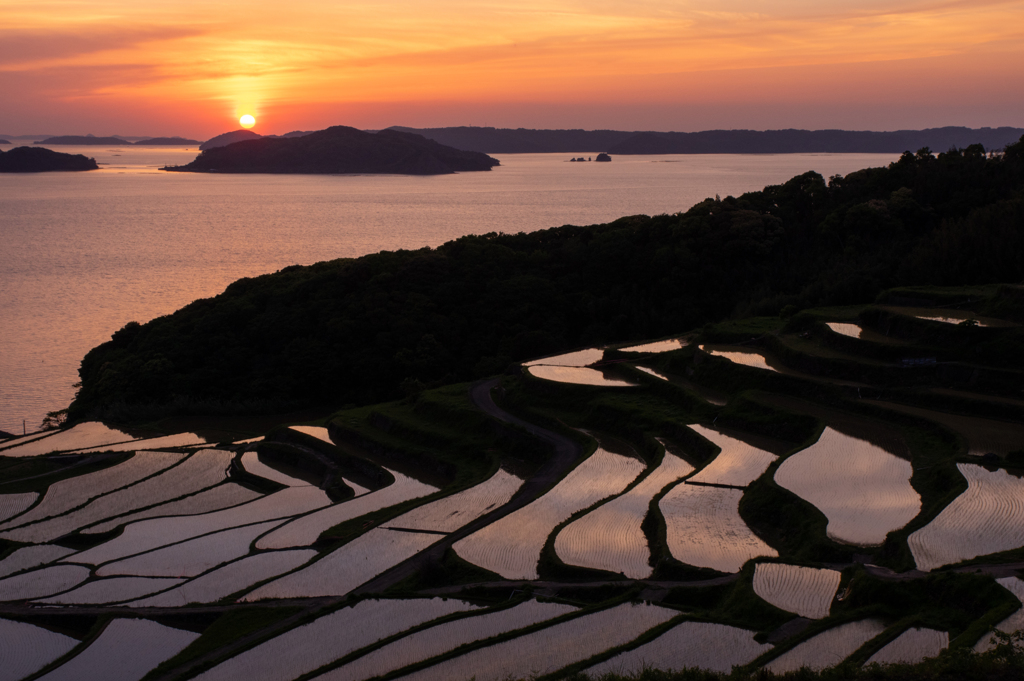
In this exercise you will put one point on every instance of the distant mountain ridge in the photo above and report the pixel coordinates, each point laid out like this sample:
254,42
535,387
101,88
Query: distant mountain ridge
165,142
522,140
336,150
82,140
240,135
87,140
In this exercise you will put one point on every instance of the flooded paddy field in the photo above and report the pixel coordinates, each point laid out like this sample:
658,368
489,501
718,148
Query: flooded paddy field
577,375
747,358
689,645
223,581
214,499
25,648
331,637
305,529
112,590
828,648
512,545
863,490
913,645
704,528
808,592
550,649
126,650
737,464
43,582
81,436
483,541
987,518
203,469
68,494
443,638
610,537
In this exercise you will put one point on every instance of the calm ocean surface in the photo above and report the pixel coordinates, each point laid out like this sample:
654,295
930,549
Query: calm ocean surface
84,253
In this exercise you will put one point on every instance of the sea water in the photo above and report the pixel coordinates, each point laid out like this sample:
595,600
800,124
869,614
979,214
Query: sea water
84,253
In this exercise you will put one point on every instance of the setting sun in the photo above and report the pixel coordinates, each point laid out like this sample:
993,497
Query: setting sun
247,121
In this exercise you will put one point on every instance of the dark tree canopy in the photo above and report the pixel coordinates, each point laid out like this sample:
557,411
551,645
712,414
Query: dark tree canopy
351,331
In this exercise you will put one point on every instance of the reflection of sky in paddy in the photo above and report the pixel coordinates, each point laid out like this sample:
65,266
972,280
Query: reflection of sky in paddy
578,375
750,359
657,346
580,358
851,330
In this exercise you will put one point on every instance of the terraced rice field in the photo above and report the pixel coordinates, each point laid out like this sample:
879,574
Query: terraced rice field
214,499
577,375
154,533
331,637
580,358
192,557
552,648
126,650
18,441
443,638
851,330
806,591
704,528
44,582
511,546
747,358
345,568
452,512
89,434
1014,622
168,441
654,373
610,537
112,590
200,470
26,648
987,518
318,432
252,464
13,504
912,646
32,556
951,320
67,494
700,645
307,529
228,579
863,490
738,464
657,346
828,648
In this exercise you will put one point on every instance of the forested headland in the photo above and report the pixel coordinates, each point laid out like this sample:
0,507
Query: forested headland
369,329
40,160
338,149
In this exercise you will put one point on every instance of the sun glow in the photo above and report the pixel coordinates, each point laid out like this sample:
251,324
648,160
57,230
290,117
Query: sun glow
247,121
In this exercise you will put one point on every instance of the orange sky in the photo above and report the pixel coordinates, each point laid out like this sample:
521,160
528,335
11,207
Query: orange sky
192,67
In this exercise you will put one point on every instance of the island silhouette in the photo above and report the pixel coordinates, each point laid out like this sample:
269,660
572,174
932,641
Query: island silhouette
39,160
338,149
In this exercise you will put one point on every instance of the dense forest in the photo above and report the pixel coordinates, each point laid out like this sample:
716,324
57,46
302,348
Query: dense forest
368,329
